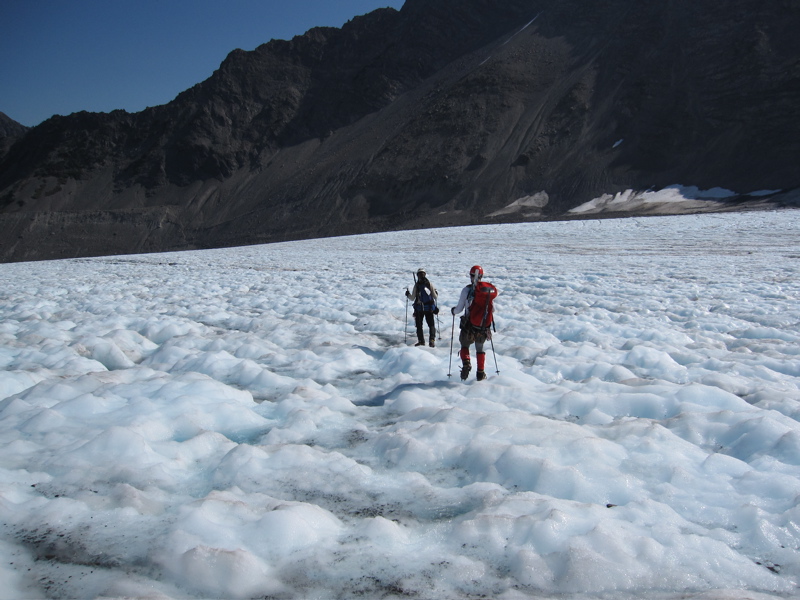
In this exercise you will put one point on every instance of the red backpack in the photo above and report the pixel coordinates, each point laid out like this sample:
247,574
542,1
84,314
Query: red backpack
480,311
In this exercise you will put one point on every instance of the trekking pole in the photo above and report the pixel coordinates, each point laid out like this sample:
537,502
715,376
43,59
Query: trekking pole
452,330
405,325
439,323
496,370
416,291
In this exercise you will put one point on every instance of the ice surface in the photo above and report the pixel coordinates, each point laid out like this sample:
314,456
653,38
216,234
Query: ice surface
251,423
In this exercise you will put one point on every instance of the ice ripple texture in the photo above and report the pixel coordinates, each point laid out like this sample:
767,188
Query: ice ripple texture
254,422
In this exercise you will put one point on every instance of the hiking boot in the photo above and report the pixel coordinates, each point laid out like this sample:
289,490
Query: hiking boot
420,344
480,375
465,369
433,342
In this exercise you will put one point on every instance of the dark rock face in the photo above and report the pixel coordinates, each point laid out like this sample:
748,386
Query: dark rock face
439,114
10,132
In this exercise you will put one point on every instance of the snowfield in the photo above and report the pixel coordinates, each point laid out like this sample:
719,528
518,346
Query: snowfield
255,422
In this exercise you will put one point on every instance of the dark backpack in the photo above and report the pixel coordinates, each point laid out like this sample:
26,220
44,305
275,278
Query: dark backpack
480,311
426,298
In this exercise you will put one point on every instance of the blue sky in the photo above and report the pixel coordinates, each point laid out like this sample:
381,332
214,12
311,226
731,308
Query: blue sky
62,56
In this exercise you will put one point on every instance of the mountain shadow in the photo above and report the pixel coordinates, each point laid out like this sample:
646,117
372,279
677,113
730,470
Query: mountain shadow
446,112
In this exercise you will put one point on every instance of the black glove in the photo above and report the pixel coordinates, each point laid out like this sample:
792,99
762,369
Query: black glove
436,310
407,294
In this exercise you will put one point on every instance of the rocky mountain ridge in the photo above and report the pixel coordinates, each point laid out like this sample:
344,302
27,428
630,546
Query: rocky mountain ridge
447,112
